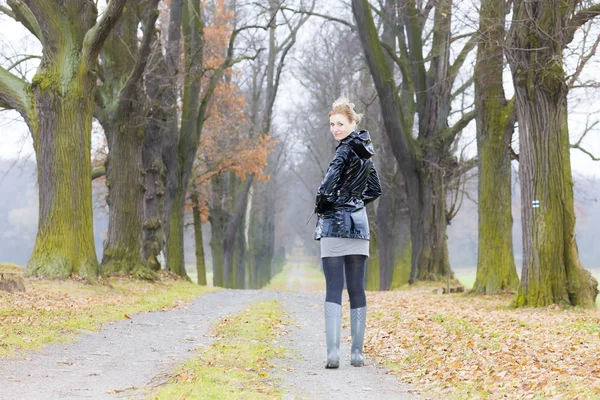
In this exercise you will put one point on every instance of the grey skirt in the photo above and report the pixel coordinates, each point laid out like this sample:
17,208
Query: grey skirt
336,247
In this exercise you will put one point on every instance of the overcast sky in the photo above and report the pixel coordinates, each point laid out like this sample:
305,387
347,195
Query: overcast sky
15,140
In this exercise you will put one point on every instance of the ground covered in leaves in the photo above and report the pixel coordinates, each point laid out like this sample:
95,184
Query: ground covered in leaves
51,311
469,347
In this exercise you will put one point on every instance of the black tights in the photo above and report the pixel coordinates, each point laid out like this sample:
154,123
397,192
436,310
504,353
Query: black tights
354,266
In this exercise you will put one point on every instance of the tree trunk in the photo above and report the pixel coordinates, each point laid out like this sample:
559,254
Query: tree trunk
62,140
200,263
155,170
430,238
123,246
240,257
422,163
170,134
58,107
393,224
217,224
121,112
495,260
175,237
552,272
376,250
233,225
217,219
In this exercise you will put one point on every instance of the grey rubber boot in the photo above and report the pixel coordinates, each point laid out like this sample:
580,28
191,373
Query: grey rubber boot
358,321
333,324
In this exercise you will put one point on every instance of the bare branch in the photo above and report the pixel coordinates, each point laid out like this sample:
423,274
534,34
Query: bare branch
95,37
13,93
450,133
402,64
574,146
462,88
8,12
327,17
582,63
22,14
462,56
98,172
144,51
15,64
587,129
427,10
580,19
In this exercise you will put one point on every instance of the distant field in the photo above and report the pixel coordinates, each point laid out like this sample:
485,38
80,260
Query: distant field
466,277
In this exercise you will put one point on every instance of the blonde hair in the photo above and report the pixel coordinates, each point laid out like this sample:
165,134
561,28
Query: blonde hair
344,107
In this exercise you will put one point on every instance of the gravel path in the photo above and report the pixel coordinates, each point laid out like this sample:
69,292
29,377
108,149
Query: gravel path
125,357
306,376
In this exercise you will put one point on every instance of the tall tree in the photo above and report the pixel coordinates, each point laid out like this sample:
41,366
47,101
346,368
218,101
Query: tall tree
121,110
159,151
539,33
58,106
425,162
196,98
495,124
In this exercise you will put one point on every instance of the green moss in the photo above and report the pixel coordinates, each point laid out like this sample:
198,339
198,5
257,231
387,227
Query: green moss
402,267
153,223
46,81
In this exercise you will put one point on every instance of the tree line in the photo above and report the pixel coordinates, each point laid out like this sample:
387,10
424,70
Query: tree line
167,81
182,128
432,69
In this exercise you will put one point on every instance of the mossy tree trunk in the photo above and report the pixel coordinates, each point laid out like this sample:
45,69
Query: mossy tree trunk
122,113
165,130
495,123
426,162
189,134
552,272
160,125
232,229
58,107
194,113
200,262
217,219
393,224
373,273
262,232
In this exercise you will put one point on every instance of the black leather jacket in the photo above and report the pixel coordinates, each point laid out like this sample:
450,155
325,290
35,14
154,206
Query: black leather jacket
350,183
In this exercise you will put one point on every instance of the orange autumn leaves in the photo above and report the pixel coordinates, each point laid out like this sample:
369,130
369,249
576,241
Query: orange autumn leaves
226,144
473,347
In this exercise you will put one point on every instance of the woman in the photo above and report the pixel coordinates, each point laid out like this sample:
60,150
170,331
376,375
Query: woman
350,183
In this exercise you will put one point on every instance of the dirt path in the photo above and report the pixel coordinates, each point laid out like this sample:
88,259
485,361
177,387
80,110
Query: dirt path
305,376
125,357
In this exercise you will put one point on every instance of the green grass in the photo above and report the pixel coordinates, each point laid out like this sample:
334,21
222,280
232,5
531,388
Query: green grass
466,277
56,311
237,365
9,267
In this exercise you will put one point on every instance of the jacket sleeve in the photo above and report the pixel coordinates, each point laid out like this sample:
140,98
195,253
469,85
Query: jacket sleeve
326,194
373,189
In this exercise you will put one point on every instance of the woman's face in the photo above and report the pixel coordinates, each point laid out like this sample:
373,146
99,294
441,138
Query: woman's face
340,126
